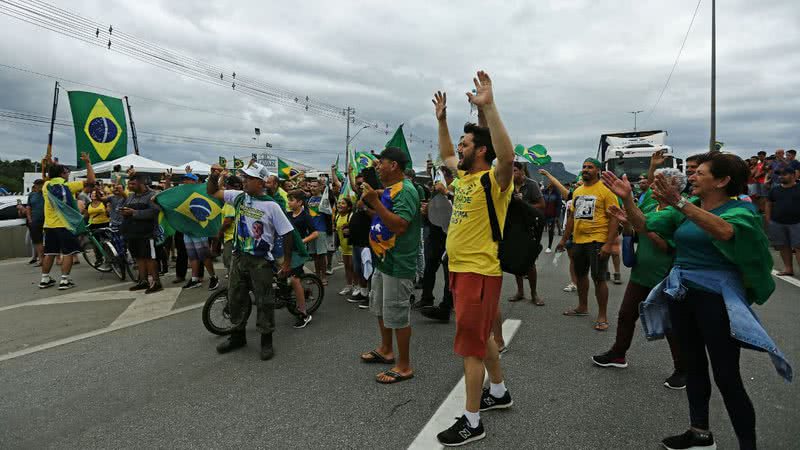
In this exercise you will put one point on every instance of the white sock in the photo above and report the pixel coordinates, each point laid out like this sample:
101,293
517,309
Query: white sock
365,291
195,279
474,418
45,277
497,390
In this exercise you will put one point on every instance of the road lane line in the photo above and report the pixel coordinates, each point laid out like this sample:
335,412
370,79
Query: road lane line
89,295
149,305
90,334
787,279
453,406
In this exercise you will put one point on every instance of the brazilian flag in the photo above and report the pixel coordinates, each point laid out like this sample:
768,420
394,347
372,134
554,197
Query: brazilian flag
223,162
100,127
189,209
536,155
238,163
285,171
364,160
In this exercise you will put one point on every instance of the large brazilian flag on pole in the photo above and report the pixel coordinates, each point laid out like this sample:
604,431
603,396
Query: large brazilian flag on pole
100,128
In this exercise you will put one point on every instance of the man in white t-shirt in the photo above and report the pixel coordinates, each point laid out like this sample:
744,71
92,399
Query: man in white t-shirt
258,220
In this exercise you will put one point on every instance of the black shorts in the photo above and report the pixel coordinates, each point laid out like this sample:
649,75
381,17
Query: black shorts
59,241
37,232
142,248
587,257
298,271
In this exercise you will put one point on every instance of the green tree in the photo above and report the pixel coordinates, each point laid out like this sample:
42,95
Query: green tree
11,173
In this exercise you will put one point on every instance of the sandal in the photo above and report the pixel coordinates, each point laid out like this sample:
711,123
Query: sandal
785,274
516,298
575,313
537,301
394,377
601,326
373,357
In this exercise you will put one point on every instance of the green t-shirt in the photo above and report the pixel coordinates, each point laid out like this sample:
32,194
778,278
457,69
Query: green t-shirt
396,256
652,264
695,249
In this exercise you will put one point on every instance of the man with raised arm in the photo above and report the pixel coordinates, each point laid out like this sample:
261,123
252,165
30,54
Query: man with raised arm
475,275
251,267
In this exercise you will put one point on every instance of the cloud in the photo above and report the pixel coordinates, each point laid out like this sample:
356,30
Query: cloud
564,72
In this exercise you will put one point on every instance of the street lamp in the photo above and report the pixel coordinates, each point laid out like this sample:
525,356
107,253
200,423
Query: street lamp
354,136
635,114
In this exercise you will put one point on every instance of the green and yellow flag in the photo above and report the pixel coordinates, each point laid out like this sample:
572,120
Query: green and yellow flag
238,163
189,209
536,154
285,171
364,160
399,141
223,162
100,128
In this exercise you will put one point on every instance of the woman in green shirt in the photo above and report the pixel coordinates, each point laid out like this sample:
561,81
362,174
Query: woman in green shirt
654,257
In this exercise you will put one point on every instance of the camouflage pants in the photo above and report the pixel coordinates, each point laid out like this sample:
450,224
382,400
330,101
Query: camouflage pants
249,272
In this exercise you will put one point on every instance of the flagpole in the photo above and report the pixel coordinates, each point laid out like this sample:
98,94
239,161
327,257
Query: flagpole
49,153
133,127
713,138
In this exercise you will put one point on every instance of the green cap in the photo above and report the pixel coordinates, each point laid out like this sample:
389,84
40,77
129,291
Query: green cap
594,161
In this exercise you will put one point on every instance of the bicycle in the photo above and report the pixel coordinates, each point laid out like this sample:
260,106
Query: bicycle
217,318
102,255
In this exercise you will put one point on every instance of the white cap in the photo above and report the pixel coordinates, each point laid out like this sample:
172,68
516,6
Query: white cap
256,170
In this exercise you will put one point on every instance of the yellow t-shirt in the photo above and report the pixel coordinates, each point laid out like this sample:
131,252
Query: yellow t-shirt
51,218
469,239
344,242
97,214
589,207
228,211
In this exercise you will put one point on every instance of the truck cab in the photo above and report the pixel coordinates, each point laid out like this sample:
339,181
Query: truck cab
629,152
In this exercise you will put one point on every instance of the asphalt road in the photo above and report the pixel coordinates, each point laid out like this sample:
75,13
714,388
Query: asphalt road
160,383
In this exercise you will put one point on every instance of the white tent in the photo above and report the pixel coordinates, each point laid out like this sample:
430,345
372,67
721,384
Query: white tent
198,167
140,163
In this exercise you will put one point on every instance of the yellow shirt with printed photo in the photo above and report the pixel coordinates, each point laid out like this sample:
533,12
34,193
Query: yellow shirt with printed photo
589,206
470,247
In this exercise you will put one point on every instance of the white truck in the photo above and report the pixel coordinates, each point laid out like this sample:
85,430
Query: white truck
629,152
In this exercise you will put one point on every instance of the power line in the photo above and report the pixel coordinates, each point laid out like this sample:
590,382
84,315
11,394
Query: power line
675,64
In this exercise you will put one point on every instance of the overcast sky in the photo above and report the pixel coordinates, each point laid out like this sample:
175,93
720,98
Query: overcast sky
564,72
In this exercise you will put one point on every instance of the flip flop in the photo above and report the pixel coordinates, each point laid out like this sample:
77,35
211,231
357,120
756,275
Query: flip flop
394,377
785,274
601,326
376,358
574,313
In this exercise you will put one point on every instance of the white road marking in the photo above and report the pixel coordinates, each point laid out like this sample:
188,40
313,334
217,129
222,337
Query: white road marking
89,295
11,261
90,334
148,306
453,406
787,279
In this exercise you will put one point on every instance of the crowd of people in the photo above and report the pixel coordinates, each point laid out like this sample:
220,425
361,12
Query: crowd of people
697,244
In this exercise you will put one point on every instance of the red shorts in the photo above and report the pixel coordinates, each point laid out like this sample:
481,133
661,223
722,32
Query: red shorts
476,298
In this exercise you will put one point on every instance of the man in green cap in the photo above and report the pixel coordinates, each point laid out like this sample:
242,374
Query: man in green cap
594,232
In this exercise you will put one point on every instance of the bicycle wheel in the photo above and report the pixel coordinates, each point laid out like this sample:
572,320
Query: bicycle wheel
93,256
314,292
114,261
216,315
130,266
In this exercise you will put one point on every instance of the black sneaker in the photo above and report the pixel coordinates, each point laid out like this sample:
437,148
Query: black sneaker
302,321
364,304
65,284
489,402
436,313
609,359
154,288
676,381
422,303
690,440
139,286
191,284
461,433
357,297
47,284
213,283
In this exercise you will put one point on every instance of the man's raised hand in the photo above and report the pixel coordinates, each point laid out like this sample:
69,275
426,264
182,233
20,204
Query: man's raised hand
483,95
440,105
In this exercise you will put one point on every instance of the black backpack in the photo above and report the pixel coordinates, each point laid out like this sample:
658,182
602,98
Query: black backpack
520,244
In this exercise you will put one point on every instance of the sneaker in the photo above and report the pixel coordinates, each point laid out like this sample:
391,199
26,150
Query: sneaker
46,284
357,297
191,284
364,304
346,291
302,321
329,271
617,278
436,313
676,381
690,440
570,288
154,288
213,283
548,250
139,286
65,284
489,402
421,304
33,260
461,433
609,359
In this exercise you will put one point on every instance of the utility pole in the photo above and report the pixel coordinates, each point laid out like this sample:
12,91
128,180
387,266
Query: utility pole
349,111
635,115
713,139
133,128
49,153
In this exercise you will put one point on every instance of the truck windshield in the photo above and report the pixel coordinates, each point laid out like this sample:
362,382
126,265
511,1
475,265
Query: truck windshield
634,167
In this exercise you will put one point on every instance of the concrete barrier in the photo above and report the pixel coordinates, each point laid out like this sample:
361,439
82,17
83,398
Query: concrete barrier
12,242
